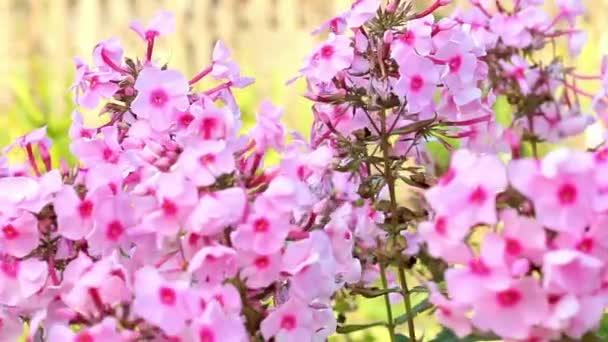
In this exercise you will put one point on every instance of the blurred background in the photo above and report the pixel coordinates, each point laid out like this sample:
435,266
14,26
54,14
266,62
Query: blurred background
269,38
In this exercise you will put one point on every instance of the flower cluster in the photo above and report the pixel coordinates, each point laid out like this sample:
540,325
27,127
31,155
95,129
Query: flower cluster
171,228
174,226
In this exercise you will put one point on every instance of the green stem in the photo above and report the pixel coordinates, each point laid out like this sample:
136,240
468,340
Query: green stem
390,183
387,303
408,304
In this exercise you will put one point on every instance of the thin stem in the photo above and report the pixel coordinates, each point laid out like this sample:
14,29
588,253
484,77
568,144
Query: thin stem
407,302
200,75
390,183
106,59
428,11
387,303
149,49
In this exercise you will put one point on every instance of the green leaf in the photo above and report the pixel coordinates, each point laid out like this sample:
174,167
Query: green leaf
447,335
417,309
503,110
414,127
603,330
350,328
401,338
372,292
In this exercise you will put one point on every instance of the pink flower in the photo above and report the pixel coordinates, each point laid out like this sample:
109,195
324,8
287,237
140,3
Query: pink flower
417,37
524,236
74,215
96,284
217,325
213,264
451,314
160,302
312,267
108,54
460,63
19,234
107,330
292,321
224,68
159,93
362,11
418,81
114,216
570,271
175,198
268,131
20,279
259,270
486,272
204,162
162,24
469,188
511,311
208,122
329,58
11,328
217,210
262,233
91,87
560,186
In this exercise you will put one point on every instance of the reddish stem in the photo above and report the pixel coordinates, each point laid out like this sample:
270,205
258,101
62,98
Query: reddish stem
53,271
149,49
429,10
200,75
218,88
32,159
468,122
579,91
111,63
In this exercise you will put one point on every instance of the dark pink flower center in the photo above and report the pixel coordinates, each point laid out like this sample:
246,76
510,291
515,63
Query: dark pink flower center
508,298
478,267
327,51
408,37
114,230
185,119
108,155
602,155
513,247
519,73
167,296
288,322
208,125
478,196
85,208
567,194
10,232
455,63
10,267
84,337
445,311
206,335
262,262
585,245
207,159
169,208
440,225
416,83
261,225
158,98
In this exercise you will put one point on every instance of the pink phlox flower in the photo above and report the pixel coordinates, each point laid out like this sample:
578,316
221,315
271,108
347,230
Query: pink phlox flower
217,210
162,24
